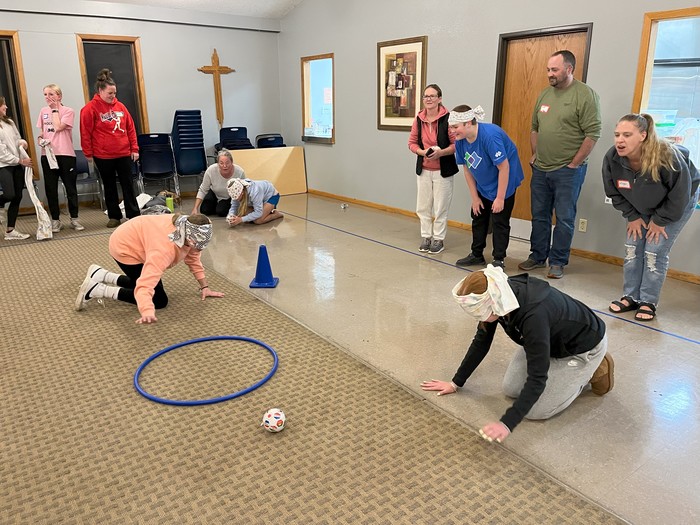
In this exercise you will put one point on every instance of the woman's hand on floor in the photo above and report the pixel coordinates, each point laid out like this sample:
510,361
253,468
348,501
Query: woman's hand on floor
442,387
206,292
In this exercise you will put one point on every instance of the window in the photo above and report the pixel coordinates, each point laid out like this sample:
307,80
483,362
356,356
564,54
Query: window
317,99
668,79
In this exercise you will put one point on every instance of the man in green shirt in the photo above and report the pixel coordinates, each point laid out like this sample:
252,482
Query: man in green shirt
565,126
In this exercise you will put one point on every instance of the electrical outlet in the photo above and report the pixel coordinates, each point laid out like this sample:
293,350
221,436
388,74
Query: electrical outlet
608,200
582,225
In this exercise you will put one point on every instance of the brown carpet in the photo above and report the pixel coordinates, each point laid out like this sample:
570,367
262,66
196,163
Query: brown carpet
80,445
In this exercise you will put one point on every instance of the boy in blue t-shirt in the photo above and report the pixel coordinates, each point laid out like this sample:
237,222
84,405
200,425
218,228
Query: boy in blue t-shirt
493,172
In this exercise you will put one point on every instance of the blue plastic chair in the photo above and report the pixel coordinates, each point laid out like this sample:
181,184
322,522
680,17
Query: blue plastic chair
269,140
87,183
234,138
156,160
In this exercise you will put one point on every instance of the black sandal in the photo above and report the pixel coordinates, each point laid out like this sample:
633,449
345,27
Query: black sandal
622,306
649,309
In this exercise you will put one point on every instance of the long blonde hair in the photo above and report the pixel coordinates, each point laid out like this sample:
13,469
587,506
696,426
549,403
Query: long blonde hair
243,203
657,153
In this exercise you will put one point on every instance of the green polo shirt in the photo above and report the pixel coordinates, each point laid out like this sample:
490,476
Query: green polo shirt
562,119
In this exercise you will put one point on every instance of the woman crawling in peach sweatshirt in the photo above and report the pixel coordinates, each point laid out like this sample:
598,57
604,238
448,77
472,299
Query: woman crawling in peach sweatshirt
144,247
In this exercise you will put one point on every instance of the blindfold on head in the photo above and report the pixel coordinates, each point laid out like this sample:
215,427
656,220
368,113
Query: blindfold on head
498,298
236,187
199,235
466,116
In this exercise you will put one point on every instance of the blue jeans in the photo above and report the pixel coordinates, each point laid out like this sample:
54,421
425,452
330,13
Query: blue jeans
557,191
646,263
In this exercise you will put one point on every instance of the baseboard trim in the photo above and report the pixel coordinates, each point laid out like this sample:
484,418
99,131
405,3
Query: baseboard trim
609,259
383,207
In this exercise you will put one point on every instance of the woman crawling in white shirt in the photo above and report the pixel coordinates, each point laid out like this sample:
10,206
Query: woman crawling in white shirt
252,201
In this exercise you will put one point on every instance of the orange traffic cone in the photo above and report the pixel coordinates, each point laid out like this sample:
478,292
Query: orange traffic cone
263,273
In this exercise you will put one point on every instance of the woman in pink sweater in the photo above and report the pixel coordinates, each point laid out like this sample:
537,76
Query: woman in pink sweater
144,247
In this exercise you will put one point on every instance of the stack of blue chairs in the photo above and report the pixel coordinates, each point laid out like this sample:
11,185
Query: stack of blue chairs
234,138
188,143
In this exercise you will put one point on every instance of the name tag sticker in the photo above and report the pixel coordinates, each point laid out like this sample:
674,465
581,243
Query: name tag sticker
623,185
544,108
119,113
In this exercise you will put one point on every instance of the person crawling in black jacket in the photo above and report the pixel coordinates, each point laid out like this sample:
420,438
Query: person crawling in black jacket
564,346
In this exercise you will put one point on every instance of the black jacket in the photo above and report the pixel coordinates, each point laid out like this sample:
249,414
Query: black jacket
548,324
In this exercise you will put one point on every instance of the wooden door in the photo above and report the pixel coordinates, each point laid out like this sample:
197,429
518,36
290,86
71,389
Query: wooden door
524,78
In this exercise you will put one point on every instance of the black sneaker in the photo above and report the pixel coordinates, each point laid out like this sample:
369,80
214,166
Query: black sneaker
425,245
499,263
471,260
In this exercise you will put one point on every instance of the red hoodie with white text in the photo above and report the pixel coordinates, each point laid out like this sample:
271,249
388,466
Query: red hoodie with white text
107,130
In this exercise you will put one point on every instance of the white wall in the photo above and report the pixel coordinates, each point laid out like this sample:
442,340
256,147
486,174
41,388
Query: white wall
171,54
376,166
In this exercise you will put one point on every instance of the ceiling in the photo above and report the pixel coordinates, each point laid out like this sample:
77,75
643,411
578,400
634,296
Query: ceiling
275,9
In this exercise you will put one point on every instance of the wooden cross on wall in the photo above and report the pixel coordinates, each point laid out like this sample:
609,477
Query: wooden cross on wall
216,70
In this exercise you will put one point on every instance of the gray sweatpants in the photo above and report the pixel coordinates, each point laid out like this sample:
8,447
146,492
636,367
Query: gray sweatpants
566,379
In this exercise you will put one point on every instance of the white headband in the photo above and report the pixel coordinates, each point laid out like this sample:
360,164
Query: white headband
498,298
466,116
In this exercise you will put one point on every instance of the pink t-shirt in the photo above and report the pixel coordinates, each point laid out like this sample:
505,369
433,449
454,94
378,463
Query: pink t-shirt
62,141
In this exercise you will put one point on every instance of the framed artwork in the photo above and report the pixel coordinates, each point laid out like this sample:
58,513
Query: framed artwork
401,73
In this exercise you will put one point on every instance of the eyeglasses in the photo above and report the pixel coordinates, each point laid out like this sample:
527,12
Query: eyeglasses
430,97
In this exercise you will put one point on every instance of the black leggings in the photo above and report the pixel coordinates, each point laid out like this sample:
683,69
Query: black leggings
12,178
211,205
127,283
65,172
111,171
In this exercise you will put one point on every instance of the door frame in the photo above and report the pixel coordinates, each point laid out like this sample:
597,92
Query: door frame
26,130
135,43
521,228
502,57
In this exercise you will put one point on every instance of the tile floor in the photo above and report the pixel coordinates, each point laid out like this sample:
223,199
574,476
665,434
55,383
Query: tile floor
356,277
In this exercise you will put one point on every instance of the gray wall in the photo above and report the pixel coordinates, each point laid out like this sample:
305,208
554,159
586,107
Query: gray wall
376,166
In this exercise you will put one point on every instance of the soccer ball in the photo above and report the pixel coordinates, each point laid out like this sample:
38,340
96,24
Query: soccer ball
274,420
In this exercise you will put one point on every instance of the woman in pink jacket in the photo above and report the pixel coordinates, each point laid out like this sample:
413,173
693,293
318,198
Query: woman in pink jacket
108,135
58,156
434,147
144,248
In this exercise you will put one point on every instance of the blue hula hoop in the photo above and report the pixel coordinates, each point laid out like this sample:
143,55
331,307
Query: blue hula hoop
213,399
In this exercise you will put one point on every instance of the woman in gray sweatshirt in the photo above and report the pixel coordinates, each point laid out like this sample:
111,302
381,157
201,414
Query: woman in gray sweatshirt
655,186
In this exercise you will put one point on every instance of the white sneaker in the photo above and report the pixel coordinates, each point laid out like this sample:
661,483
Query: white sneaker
76,225
93,274
14,235
56,226
84,293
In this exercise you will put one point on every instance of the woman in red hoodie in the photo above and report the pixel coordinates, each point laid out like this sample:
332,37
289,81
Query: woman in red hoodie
108,136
